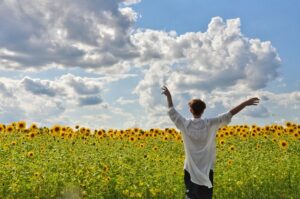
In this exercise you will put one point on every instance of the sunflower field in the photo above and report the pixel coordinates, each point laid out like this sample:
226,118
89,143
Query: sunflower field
64,162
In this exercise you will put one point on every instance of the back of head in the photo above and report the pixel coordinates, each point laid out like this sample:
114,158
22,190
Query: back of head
197,106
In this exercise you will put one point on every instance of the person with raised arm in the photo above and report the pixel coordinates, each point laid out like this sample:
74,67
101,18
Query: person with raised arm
199,143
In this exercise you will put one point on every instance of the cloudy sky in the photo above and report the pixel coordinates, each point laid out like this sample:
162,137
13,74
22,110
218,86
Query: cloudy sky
102,63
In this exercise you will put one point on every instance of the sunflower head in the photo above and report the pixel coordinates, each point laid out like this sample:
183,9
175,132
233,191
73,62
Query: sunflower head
30,154
142,145
132,139
56,129
283,144
231,148
10,128
2,128
33,126
21,125
222,142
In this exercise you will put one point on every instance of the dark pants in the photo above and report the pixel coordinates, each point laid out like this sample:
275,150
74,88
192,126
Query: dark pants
195,191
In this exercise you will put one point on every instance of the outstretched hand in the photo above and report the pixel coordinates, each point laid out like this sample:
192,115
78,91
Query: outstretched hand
252,101
249,102
165,91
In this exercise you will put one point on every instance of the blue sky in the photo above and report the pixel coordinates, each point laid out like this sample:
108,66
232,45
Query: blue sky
101,63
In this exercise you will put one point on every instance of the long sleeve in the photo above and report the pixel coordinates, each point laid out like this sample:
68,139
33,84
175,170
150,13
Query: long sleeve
221,120
177,119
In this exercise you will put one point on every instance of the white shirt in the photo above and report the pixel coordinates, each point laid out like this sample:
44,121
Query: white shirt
199,143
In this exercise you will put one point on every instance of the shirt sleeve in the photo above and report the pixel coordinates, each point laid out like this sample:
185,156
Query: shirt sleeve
221,120
177,119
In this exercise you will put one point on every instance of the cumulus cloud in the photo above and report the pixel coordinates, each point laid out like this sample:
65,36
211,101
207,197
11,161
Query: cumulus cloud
130,2
43,101
67,99
89,34
261,112
4,91
82,86
123,101
198,64
38,87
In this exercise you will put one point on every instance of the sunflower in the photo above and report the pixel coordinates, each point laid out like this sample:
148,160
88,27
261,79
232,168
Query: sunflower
13,143
31,134
132,139
258,146
105,168
9,128
253,134
62,134
283,144
82,130
30,154
288,124
244,136
142,145
56,129
155,148
33,126
21,125
296,135
99,133
2,128
222,142
231,148
229,162
177,137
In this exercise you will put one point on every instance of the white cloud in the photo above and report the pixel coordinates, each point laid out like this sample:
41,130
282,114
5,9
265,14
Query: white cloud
88,34
202,63
260,112
221,65
130,2
4,91
123,101
38,87
67,100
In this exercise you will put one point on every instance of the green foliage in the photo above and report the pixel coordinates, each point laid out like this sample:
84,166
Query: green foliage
49,165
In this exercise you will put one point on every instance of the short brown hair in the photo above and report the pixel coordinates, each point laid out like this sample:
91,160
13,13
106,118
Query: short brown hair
197,106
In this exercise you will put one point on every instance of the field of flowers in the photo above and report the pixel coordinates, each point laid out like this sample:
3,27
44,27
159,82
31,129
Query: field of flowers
65,162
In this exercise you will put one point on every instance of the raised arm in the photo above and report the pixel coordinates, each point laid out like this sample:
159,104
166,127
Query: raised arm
167,93
252,101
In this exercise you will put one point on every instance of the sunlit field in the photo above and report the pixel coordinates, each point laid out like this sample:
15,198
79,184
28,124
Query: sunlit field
77,162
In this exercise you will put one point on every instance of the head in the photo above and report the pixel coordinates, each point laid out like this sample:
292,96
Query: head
197,107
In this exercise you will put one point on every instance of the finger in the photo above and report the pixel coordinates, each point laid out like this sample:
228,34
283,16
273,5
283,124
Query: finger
164,88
